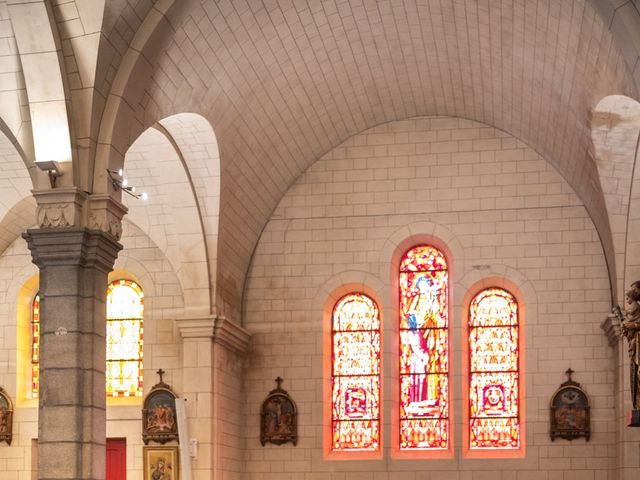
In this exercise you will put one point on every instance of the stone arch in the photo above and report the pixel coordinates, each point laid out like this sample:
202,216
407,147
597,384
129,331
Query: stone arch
177,163
615,124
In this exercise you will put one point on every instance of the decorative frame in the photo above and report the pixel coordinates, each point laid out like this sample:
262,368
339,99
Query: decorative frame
570,411
6,417
278,417
161,463
159,419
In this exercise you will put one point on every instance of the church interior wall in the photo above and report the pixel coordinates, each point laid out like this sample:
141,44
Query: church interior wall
141,261
502,211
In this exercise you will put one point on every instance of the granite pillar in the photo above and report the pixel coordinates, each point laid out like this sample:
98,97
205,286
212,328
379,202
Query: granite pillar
74,263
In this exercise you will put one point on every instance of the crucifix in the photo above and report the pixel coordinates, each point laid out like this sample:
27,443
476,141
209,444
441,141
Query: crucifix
279,381
569,372
160,373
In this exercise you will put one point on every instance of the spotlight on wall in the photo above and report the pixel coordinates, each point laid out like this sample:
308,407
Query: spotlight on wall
52,168
120,183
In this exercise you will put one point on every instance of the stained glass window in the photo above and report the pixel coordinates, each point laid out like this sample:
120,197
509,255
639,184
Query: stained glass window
424,350
494,421
355,374
125,309
35,347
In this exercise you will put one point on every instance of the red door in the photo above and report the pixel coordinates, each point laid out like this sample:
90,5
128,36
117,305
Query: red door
116,459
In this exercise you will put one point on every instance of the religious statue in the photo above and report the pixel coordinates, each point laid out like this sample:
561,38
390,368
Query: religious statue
631,330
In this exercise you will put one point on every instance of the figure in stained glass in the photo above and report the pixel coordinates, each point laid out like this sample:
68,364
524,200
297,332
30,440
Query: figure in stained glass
494,421
424,350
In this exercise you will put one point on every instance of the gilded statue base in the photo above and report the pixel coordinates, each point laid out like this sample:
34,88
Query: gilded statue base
634,418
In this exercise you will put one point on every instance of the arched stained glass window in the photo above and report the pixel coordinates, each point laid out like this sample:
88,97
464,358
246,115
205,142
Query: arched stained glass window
494,421
424,350
35,346
355,374
125,308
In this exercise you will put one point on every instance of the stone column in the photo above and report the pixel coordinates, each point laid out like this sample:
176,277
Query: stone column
74,263
230,346
213,351
197,388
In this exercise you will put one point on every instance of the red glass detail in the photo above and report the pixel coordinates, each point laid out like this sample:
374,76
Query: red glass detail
35,347
424,350
355,375
494,371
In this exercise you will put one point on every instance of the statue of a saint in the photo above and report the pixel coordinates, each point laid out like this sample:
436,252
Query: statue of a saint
631,331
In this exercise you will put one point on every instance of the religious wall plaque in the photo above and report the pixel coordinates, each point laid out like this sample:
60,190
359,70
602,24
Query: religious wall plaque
6,417
278,417
159,421
570,411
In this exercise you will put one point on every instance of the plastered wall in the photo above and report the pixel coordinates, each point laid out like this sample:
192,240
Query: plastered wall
500,211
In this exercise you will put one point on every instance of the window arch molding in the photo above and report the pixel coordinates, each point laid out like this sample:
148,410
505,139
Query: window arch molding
24,289
325,301
524,296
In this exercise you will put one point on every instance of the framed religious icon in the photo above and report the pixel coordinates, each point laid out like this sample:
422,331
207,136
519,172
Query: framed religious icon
6,417
161,463
278,418
570,411
159,422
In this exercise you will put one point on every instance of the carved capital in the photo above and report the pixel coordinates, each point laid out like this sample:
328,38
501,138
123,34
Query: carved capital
60,208
611,328
105,214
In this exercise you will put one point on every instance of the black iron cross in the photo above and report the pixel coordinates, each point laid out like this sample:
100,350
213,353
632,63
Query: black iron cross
279,381
160,373
569,372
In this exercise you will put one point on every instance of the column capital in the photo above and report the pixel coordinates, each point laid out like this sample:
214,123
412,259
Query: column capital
196,327
221,330
72,246
69,207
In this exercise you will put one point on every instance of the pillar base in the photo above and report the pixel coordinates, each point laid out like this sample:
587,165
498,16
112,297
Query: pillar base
634,418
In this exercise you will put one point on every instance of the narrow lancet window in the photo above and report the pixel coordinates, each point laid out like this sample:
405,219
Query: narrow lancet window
35,347
424,350
494,421
355,375
125,310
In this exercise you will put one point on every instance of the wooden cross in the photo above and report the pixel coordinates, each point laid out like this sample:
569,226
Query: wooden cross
279,381
569,372
160,373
